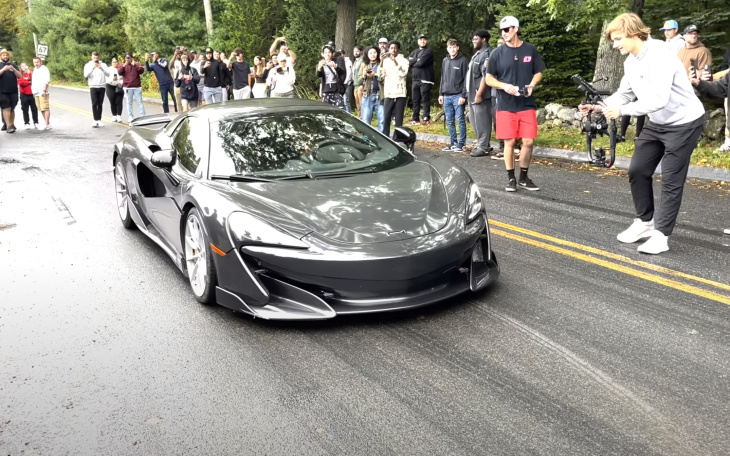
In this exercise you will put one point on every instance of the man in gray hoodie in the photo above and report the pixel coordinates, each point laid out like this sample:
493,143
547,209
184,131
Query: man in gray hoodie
654,83
94,72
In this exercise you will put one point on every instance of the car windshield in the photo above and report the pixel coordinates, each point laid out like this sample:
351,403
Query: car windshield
301,144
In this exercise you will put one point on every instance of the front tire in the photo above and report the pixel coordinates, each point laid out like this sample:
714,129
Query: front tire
198,259
120,186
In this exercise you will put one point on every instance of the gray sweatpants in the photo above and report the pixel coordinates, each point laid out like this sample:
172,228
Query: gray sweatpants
672,146
481,119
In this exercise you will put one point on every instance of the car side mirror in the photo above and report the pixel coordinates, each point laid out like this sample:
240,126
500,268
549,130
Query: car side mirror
163,158
406,136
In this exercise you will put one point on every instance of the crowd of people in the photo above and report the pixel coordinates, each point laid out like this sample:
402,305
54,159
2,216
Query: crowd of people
495,83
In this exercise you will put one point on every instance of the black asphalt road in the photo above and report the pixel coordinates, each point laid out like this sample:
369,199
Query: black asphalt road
583,346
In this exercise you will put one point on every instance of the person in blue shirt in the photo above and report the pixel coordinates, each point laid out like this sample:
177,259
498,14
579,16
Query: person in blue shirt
160,67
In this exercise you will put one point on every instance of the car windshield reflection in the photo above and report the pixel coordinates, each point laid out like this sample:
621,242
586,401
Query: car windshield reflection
300,144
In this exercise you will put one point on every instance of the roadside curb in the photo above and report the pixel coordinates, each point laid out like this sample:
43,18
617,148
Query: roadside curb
697,172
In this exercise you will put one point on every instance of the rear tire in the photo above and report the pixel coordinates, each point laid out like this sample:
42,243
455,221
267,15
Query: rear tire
122,193
198,259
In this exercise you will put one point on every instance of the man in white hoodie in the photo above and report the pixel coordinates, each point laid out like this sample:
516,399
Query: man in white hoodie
94,72
654,83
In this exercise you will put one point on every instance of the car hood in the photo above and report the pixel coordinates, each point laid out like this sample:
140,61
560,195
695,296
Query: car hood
400,203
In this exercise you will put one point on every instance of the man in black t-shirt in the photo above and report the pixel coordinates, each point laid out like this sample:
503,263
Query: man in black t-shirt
514,70
9,74
241,72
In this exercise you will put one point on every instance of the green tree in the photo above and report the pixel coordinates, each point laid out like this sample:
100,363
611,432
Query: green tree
11,11
263,19
74,29
310,25
163,24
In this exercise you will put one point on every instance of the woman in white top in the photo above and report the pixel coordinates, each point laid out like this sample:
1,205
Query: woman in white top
114,90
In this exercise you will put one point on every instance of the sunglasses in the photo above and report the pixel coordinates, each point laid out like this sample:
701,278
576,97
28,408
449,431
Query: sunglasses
506,29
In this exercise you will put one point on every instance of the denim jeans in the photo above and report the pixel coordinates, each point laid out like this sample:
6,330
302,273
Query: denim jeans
165,91
451,107
134,94
212,95
369,104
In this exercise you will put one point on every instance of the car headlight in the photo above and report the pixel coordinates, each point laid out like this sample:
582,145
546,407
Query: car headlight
474,205
249,230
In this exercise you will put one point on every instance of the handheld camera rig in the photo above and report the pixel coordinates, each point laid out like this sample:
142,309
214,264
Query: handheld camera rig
596,125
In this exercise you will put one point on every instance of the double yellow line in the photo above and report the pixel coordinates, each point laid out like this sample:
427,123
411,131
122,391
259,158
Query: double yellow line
614,262
83,112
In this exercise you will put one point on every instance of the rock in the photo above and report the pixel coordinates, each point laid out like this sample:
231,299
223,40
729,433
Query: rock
541,116
579,116
715,126
715,113
552,110
566,114
577,124
557,122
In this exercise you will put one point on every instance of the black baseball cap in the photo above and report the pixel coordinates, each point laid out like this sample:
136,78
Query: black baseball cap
208,50
690,29
422,36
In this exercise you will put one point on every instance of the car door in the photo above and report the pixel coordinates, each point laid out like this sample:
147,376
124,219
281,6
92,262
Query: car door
190,140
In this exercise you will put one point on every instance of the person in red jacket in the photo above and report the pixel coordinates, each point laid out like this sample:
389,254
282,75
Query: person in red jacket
26,96
130,72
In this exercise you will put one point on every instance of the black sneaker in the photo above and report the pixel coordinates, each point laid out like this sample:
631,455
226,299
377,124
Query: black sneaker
478,153
527,184
12,129
5,127
511,185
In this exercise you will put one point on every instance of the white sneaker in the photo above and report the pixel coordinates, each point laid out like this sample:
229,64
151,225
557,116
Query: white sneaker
94,124
35,125
99,124
27,126
724,148
727,231
656,244
638,230
119,118
48,127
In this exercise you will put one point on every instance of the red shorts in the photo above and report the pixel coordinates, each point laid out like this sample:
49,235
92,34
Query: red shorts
511,125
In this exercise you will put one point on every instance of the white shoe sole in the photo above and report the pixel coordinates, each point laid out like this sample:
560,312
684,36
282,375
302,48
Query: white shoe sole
631,240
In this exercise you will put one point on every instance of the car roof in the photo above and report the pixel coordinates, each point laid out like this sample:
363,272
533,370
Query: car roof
241,108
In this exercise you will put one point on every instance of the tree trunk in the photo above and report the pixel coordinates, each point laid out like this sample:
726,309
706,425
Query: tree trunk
637,7
346,25
609,64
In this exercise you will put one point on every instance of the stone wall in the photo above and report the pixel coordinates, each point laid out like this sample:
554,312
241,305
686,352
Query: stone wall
565,116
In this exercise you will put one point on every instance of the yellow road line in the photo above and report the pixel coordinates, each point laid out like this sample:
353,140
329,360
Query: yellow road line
617,267
612,256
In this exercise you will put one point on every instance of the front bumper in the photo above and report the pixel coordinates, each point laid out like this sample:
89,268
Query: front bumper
323,281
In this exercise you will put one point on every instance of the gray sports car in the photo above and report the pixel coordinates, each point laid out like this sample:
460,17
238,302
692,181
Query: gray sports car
294,210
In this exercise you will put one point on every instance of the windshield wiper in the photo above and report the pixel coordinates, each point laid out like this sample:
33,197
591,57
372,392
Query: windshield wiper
240,178
366,170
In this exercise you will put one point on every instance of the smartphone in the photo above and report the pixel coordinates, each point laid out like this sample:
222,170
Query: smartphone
693,64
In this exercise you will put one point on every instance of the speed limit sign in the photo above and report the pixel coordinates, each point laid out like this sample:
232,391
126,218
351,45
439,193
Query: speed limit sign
42,50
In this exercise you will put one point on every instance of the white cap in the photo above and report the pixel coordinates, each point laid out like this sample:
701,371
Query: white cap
282,56
509,21
383,40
